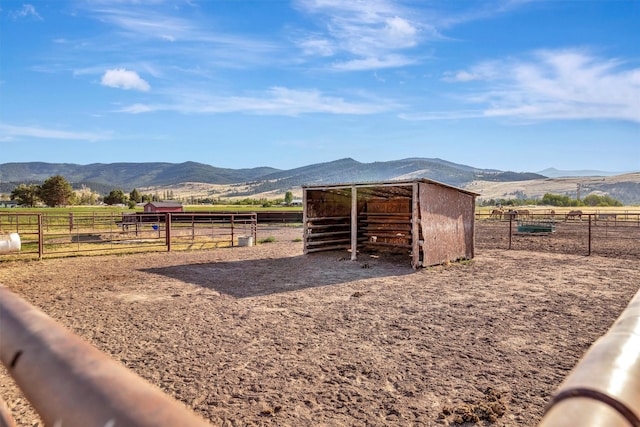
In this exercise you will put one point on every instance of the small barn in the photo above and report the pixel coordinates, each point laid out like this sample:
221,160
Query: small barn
163,207
430,221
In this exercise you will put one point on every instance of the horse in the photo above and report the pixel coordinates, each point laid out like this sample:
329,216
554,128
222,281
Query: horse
497,213
575,215
512,213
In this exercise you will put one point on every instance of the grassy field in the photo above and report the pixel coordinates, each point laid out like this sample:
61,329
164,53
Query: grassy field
486,210
84,210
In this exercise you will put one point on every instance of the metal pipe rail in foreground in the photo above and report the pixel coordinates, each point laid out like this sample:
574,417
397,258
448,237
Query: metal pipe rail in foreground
604,387
71,383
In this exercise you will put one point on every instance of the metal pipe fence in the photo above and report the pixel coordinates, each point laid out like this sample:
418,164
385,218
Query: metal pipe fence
604,387
71,383
52,235
602,234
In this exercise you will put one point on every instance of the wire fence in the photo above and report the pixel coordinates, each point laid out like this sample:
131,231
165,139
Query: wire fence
602,234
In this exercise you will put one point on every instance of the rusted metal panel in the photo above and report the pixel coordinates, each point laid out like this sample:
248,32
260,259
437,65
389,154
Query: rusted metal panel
605,381
71,383
446,219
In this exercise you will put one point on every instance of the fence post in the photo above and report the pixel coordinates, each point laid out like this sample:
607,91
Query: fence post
167,223
589,235
232,224
510,228
40,238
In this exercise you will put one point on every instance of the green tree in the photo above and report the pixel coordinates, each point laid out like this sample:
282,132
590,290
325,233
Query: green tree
135,196
116,197
288,198
27,195
56,191
556,200
596,200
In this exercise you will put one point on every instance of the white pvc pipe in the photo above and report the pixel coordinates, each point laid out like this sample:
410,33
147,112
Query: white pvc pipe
9,243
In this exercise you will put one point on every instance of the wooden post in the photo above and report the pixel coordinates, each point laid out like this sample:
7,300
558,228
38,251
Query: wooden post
415,227
305,218
589,235
354,223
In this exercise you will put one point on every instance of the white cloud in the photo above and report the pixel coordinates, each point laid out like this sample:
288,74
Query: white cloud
9,132
27,10
401,32
373,63
317,46
368,32
124,79
279,101
553,85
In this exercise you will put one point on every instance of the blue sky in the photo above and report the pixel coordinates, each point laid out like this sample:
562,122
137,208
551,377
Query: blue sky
505,84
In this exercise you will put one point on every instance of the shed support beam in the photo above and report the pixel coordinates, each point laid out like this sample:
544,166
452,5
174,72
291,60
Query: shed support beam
305,218
354,223
415,227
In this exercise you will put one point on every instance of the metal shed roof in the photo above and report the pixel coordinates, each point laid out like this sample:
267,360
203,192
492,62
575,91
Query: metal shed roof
384,188
167,204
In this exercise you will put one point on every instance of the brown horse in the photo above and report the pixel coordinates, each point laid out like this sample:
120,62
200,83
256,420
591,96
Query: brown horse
574,215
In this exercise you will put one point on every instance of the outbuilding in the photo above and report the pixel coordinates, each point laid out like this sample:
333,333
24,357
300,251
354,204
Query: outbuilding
163,207
430,221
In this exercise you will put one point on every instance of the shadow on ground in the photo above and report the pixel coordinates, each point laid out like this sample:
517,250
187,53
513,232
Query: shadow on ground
260,277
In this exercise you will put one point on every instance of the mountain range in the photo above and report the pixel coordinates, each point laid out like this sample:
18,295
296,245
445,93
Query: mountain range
103,178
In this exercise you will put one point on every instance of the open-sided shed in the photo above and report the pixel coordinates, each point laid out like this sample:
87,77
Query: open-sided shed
431,221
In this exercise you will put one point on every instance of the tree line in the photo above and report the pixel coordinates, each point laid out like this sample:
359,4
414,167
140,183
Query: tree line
57,191
550,199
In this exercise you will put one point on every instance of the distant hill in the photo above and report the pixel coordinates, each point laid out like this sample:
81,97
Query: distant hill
350,170
624,187
205,180
126,176
557,173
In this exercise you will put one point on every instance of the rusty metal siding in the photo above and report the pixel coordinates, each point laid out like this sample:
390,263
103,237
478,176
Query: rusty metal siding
391,216
446,219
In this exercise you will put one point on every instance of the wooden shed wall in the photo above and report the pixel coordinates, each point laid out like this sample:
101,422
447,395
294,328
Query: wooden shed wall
433,223
447,223
328,204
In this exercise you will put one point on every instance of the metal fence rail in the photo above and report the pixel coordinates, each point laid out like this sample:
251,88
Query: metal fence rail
604,387
617,235
71,383
44,235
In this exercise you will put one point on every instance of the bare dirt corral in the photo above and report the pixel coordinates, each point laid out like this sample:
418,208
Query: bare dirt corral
267,336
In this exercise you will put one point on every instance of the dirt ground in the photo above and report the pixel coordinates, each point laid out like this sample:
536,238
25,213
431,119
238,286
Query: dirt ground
265,335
